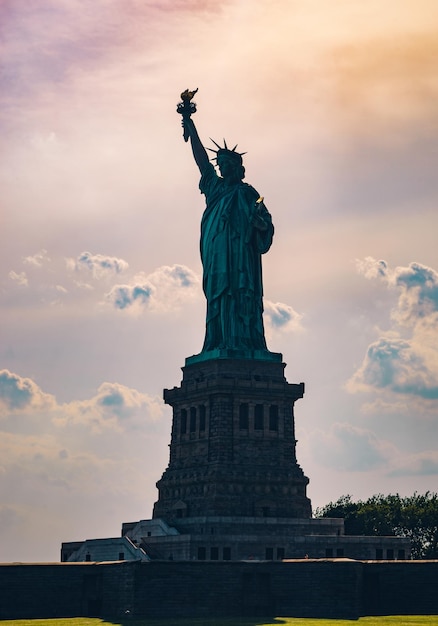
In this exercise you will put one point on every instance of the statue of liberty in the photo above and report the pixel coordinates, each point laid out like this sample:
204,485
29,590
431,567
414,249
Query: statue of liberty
236,229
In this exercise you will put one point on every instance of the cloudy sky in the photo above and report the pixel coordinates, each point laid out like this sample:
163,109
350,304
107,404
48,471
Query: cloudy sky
336,105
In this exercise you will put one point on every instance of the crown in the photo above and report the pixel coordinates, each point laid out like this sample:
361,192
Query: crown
226,152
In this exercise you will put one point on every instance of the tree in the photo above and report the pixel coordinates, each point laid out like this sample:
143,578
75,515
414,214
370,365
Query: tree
415,517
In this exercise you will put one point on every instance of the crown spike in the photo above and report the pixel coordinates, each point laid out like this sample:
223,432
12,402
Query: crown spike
223,150
216,144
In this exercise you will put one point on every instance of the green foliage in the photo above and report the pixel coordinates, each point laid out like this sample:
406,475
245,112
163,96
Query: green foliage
414,516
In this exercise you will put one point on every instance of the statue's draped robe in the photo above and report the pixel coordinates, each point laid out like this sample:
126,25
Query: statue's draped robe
233,239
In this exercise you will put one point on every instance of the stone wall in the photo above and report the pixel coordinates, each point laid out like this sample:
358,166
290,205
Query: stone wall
400,588
49,590
304,588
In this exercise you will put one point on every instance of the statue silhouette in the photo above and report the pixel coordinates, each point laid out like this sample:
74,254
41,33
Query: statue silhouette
236,229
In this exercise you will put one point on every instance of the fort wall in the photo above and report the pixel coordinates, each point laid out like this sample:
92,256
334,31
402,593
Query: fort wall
330,588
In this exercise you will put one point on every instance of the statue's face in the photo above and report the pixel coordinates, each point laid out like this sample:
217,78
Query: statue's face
229,169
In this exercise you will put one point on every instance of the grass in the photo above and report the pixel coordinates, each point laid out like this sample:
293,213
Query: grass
392,620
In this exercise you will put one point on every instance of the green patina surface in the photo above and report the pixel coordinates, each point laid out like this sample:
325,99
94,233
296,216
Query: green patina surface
258,355
236,229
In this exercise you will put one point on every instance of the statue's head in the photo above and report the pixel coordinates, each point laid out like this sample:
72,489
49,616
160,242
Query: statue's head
230,162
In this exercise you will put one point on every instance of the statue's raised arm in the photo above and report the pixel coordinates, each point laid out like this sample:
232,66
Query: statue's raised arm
236,229
186,108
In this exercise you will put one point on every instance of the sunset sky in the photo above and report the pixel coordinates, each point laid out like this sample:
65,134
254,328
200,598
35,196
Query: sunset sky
336,104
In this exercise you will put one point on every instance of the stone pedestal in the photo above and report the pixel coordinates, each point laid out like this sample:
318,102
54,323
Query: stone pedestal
232,450
233,490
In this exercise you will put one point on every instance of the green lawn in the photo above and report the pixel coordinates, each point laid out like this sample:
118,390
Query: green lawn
393,620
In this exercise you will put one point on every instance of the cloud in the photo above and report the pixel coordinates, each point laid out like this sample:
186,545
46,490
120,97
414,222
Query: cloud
33,466
20,279
348,448
38,259
124,402
114,407
371,268
163,290
90,281
282,317
178,276
44,278
125,296
388,407
79,427
98,265
417,285
83,460
418,301
398,365
404,360
20,394
421,464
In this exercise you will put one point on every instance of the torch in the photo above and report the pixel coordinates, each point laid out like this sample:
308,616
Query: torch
186,108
